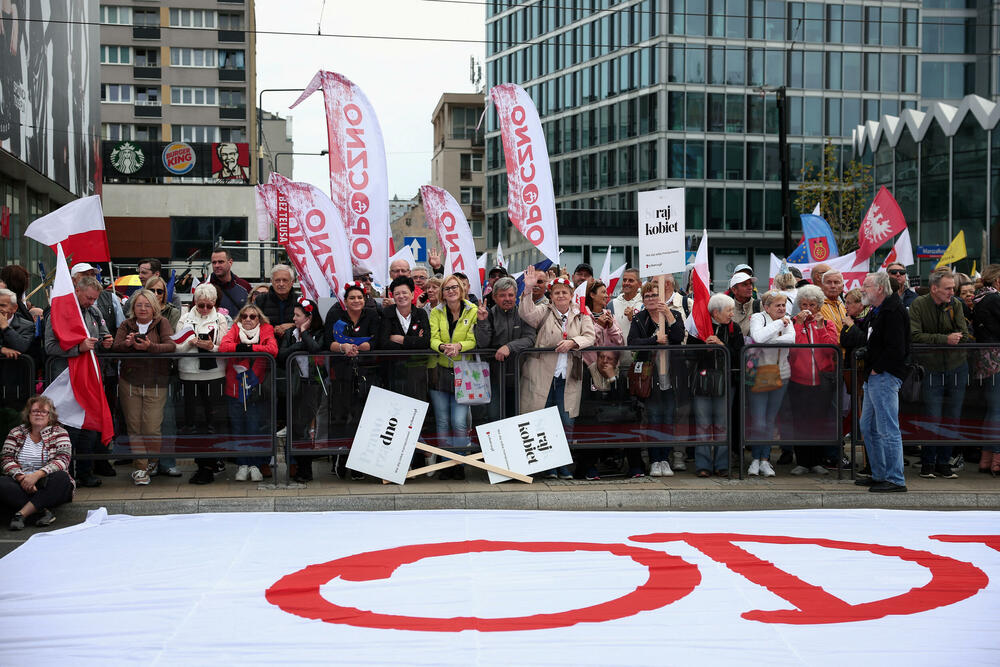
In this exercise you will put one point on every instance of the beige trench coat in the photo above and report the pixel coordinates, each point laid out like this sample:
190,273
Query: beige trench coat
537,370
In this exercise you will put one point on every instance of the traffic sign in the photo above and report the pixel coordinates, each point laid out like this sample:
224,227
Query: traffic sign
418,244
930,251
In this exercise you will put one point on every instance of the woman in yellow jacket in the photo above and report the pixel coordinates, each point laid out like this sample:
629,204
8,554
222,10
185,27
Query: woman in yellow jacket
453,323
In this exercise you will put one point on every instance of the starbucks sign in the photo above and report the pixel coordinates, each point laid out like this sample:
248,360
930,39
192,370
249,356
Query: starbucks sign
127,157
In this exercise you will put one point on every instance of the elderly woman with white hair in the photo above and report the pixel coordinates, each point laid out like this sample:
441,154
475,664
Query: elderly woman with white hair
708,382
813,379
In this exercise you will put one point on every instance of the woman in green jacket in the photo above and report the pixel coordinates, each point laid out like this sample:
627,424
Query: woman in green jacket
453,323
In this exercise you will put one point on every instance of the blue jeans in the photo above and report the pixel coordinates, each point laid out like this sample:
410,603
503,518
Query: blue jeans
942,394
451,418
764,408
710,416
660,410
880,427
245,422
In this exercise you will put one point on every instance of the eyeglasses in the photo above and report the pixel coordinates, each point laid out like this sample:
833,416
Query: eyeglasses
204,306
451,288
248,316
39,412
365,279
651,295
158,290
897,272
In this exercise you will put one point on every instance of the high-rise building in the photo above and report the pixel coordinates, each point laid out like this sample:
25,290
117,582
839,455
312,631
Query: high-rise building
649,94
178,127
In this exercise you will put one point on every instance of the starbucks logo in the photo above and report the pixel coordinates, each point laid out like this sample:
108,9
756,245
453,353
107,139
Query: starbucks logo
127,157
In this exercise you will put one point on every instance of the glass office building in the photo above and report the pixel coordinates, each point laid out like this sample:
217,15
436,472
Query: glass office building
648,94
943,166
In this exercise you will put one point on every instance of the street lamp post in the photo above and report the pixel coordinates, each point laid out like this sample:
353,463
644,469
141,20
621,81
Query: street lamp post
260,126
786,208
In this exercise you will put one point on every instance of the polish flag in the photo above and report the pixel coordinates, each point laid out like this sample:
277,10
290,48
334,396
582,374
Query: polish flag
580,296
608,277
500,260
78,392
701,283
481,265
78,226
901,253
184,333
194,283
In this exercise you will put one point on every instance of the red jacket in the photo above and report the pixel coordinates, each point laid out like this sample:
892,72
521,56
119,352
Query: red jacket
808,363
259,366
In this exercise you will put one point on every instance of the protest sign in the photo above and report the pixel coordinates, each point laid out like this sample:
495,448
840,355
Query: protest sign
530,443
387,435
661,232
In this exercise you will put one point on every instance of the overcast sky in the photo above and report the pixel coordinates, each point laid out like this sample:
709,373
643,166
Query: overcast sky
402,79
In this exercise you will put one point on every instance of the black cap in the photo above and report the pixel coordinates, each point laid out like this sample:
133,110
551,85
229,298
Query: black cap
498,270
584,267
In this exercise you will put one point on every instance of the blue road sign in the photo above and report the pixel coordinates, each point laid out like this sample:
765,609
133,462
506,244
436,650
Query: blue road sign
418,244
931,251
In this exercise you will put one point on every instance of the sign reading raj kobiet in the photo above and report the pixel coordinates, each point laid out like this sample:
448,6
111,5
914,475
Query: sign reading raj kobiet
526,444
387,435
661,232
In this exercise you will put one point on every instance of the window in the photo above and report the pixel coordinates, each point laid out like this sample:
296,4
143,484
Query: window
231,59
147,96
945,34
115,55
184,57
147,132
147,57
192,18
196,133
197,96
853,24
116,131
232,99
116,15
116,93
192,234
230,20
146,17
947,80
471,162
464,121
234,134
471,195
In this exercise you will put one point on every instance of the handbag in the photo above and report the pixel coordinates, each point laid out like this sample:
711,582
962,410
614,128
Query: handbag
709,382
640,379
911,389
472,382
767,378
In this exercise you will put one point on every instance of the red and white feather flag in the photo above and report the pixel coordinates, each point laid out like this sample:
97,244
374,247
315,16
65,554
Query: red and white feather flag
901,253
78,392
702,287
78,226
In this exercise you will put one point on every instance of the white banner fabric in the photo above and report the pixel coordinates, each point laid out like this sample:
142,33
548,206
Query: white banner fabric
462,587
530,443
446,218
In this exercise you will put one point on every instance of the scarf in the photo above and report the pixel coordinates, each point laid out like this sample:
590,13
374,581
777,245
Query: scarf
249,336
983,292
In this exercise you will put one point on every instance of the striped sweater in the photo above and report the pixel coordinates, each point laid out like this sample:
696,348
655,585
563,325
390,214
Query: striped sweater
56,450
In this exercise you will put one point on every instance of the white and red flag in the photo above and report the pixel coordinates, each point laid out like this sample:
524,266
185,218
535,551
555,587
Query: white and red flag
608,277
78,392
580,297
501,262
481,272
882,221
359,182
901,253
445,217
531,203
78,226
701,284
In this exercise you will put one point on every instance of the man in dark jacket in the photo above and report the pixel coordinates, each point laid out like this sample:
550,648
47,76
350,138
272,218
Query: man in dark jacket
885,362
279,302
500,327
233,290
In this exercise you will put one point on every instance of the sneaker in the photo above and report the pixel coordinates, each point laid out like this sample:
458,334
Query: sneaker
592,474
172,471
255,475
202,476
679,461
786,458
945,472
358,476
220,467
665,469
819,470
243,473
17,522
153,468
563,473
47,519
927,470
957,462
655,469
140,477
551,474
754,468
800,470
865,481
887,487
636,473
765,469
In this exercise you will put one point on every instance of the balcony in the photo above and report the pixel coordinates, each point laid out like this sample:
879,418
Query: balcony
465,175
140,72
148,110
232,74
145,32
476,209
232,36
233,113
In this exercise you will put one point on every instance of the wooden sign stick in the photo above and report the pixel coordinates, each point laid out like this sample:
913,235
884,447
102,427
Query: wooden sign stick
441,465
470,460
661,358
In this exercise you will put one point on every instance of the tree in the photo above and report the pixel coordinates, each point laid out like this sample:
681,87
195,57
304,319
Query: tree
843,199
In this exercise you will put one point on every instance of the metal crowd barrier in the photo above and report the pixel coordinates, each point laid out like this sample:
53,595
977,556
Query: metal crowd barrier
18,378
222,443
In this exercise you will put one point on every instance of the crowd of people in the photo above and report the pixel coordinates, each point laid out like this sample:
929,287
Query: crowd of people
677,385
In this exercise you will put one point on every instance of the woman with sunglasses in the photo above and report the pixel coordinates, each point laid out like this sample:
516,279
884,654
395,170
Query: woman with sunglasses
251,333
202,378
305,382
167,465
143,382
168,311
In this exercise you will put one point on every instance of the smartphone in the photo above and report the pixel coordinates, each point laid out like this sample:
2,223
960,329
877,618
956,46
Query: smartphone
204,336
140,336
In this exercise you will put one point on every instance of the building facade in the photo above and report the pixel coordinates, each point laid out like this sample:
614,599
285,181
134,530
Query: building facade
650,94
943,167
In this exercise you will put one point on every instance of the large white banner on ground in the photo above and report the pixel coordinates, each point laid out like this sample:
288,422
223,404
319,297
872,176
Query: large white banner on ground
661,232
530,443
509,588
387,435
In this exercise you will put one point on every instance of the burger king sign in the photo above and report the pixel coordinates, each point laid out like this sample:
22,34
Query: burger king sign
178,158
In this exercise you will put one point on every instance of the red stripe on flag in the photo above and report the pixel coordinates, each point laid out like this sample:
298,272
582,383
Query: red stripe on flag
89,246
67,324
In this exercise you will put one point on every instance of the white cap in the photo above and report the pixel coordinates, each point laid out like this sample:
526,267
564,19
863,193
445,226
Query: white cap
739,278
80,268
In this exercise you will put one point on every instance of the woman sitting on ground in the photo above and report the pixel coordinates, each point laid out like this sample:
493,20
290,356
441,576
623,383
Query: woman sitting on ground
35,463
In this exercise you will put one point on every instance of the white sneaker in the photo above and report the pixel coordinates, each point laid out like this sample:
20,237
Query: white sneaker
754,468
819,470
679,461
430,459
800,470
255,475
242,473
172,471
765,469
140,477
665,469
654,469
